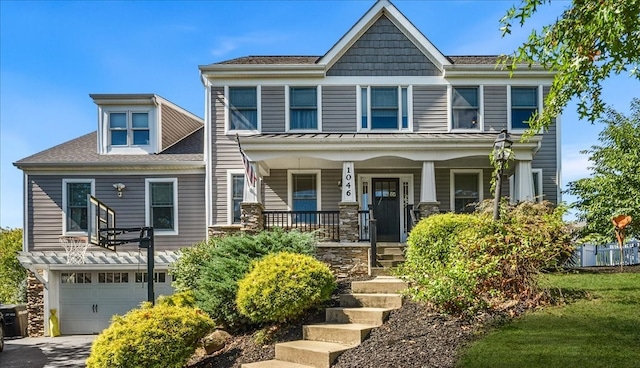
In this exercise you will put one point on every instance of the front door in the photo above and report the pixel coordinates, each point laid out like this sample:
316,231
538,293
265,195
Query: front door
386,208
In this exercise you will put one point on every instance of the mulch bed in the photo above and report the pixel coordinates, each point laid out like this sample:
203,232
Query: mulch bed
413,336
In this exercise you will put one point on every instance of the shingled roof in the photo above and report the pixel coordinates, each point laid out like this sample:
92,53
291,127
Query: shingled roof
82,151
290,60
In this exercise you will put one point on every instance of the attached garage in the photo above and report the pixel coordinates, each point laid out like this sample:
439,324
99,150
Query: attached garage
87,296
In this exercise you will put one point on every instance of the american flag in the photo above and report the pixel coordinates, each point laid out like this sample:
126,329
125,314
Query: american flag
250,173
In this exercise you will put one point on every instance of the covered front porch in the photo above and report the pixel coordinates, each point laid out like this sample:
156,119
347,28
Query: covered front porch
334,184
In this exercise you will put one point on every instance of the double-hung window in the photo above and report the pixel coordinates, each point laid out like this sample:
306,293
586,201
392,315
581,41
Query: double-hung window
304,195
237,189
303,108
465,108
129,128
524,104
75,206
466,190
243,108
384,108
162,205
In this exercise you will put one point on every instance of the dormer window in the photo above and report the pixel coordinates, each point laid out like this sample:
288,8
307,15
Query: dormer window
129,128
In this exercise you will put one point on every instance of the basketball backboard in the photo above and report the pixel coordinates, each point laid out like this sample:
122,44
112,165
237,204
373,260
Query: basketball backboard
102,224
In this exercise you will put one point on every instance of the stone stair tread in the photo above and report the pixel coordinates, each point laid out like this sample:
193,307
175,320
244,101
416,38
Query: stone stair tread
274,363
343,326
317,346
363,309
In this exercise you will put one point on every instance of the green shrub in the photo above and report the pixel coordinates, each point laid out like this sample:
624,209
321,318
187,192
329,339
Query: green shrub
469,262
282,286
186,270
228,261
161,336
13,277
180,299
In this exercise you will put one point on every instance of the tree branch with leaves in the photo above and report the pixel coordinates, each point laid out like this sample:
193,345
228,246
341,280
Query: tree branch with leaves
591,41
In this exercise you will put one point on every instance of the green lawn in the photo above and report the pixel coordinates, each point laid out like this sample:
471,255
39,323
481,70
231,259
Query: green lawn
602,330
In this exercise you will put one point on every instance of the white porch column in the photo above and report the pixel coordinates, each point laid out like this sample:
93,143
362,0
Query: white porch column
251,192
428,183
348,183
524,182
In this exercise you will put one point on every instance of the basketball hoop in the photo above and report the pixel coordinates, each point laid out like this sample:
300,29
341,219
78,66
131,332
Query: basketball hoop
76,247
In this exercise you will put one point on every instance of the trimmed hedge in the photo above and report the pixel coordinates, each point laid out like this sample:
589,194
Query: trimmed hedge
282,286
161,336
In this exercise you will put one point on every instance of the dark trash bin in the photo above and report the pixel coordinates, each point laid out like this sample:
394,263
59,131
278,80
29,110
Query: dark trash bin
15,319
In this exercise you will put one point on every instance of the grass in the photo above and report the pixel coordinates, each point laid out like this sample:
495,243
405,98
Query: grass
600,330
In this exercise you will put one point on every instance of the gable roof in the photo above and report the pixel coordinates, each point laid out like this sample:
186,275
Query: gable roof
379,9
81,152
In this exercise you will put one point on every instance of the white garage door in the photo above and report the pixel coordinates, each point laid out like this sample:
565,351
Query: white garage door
88,300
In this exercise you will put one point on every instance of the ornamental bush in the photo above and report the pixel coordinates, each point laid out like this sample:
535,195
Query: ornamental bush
282,286
468,262
216,267
151,336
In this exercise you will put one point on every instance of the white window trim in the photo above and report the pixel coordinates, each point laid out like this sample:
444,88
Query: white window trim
287,109
539,185
399,128
290,187
105,136
227,114
480,127
540,105
230,174
65,200
147,204
452,185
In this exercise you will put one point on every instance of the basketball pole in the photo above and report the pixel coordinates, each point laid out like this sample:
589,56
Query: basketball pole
146,241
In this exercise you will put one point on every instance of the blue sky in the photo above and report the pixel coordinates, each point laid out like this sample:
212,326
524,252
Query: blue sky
54,54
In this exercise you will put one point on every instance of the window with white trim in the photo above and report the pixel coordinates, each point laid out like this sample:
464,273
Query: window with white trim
304,194
128,128
158,277
466,190
113,277
525,102
75,277
237,192
466,108
74,202
303,105
385,108
243,108
162,205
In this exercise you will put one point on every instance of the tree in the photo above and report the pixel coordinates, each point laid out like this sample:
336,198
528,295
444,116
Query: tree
13,277
592,40
613,187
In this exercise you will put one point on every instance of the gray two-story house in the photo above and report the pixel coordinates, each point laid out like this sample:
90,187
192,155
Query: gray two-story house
382,126
382,121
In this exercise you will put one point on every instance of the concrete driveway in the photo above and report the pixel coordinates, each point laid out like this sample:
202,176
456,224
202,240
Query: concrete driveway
46,352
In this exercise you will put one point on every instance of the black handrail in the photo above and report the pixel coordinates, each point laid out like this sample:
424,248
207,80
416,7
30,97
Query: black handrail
325,224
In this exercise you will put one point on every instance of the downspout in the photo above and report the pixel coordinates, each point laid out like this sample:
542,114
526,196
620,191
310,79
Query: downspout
207,151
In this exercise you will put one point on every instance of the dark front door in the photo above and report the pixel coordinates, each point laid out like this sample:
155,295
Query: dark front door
386,208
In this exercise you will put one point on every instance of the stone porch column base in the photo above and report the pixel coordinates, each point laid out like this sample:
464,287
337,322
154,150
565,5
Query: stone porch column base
428,208
349,222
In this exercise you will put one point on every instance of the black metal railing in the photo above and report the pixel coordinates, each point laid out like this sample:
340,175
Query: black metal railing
363,225
324,224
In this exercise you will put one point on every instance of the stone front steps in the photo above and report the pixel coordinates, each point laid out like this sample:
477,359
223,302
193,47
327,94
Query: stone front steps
388,255
346,326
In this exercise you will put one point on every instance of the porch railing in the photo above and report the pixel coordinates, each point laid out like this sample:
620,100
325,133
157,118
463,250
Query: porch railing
363,225
325,224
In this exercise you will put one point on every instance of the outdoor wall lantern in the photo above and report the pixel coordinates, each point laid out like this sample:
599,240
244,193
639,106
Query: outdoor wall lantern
119,187
501,154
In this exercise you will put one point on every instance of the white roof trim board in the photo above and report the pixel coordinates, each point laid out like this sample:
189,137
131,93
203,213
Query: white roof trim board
404,25
130,260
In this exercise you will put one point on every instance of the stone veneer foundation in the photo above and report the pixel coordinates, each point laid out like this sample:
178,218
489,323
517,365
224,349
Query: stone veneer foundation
345,259
35,306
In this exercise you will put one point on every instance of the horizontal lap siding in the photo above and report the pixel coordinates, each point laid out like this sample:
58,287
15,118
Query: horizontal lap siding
176,125
495,108
45,208
275,191
430,109
225,156
331,193
339,109
547,159
273,114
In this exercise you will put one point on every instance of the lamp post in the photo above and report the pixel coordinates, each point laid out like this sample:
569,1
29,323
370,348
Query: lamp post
501,153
